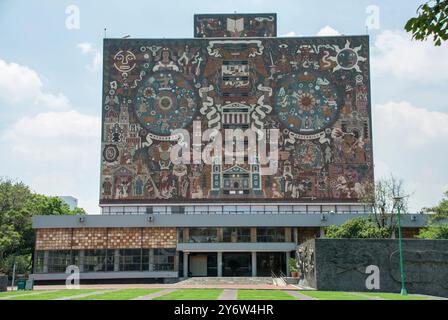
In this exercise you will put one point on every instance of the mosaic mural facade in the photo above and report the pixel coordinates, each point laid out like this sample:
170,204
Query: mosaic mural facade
314,90
235,25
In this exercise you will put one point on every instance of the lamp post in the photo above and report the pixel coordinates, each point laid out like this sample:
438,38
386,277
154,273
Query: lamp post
403,289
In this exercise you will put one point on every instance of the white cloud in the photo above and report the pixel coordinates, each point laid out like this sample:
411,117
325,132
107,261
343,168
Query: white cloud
20,84
55,153
328,31
395,53
290,34
415,126
88,48
410,142
55,136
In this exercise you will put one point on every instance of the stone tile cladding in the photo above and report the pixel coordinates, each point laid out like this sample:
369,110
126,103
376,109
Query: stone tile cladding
102,238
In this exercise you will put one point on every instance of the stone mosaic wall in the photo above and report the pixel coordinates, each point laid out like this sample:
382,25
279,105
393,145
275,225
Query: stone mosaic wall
315,91
105,238
235,25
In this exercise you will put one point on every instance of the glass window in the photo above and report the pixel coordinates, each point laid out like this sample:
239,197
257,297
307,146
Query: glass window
270,234
110,260
39,262
94,260
236,235
164,259
180,235
203,235
270,262
130,259
58,260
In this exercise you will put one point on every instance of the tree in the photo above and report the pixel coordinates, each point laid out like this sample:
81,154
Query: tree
358,227
17,206
381,196
431,20
437,227
434,232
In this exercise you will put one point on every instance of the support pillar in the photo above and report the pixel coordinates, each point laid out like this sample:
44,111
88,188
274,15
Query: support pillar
117,260
254,264
253,234
295,235
186,264
81,260
288,274
151,260
219,264
45,269
322,232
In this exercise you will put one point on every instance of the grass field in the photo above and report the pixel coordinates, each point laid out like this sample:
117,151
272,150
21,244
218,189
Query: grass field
198,294
332,295
263,295
51,295
125,294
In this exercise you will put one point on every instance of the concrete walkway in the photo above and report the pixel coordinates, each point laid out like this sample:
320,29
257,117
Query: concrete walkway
299,295
359,294
228,295
86,294
155,294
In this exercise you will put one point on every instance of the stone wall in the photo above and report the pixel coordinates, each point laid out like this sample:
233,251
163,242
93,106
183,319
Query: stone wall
340,265
102,238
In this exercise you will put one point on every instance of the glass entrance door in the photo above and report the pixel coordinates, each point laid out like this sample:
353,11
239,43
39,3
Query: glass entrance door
236,264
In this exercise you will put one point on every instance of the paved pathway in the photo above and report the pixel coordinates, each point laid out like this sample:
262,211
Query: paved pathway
86,294
33,293
155,294
228,295
359,294
299,295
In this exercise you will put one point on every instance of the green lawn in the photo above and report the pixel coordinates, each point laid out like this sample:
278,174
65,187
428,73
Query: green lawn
395,296
192,294
264,295
332,295
17,292
125,294
199,294
50,295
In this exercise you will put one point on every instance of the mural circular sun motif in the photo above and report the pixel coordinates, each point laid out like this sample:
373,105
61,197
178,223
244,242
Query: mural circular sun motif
309,156
306,103
165,101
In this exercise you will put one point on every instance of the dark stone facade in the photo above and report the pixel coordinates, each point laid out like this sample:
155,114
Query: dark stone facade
3,283
340,265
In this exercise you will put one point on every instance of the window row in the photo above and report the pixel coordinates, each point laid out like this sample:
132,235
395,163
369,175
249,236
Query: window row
56,261
205,235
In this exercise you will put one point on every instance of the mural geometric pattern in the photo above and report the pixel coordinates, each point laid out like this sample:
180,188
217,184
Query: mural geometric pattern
314,90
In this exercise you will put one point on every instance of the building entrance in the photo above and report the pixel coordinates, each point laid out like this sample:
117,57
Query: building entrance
236,264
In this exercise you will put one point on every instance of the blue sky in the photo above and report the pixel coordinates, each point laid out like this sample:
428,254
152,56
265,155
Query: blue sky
50,84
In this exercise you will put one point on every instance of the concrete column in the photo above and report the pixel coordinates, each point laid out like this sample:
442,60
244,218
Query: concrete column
219,264
45,270
322,232
186,235
288,274
151,260
295,235
253,234
81,260
288,235
186,264
176,261
219,234
117,260
254,264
